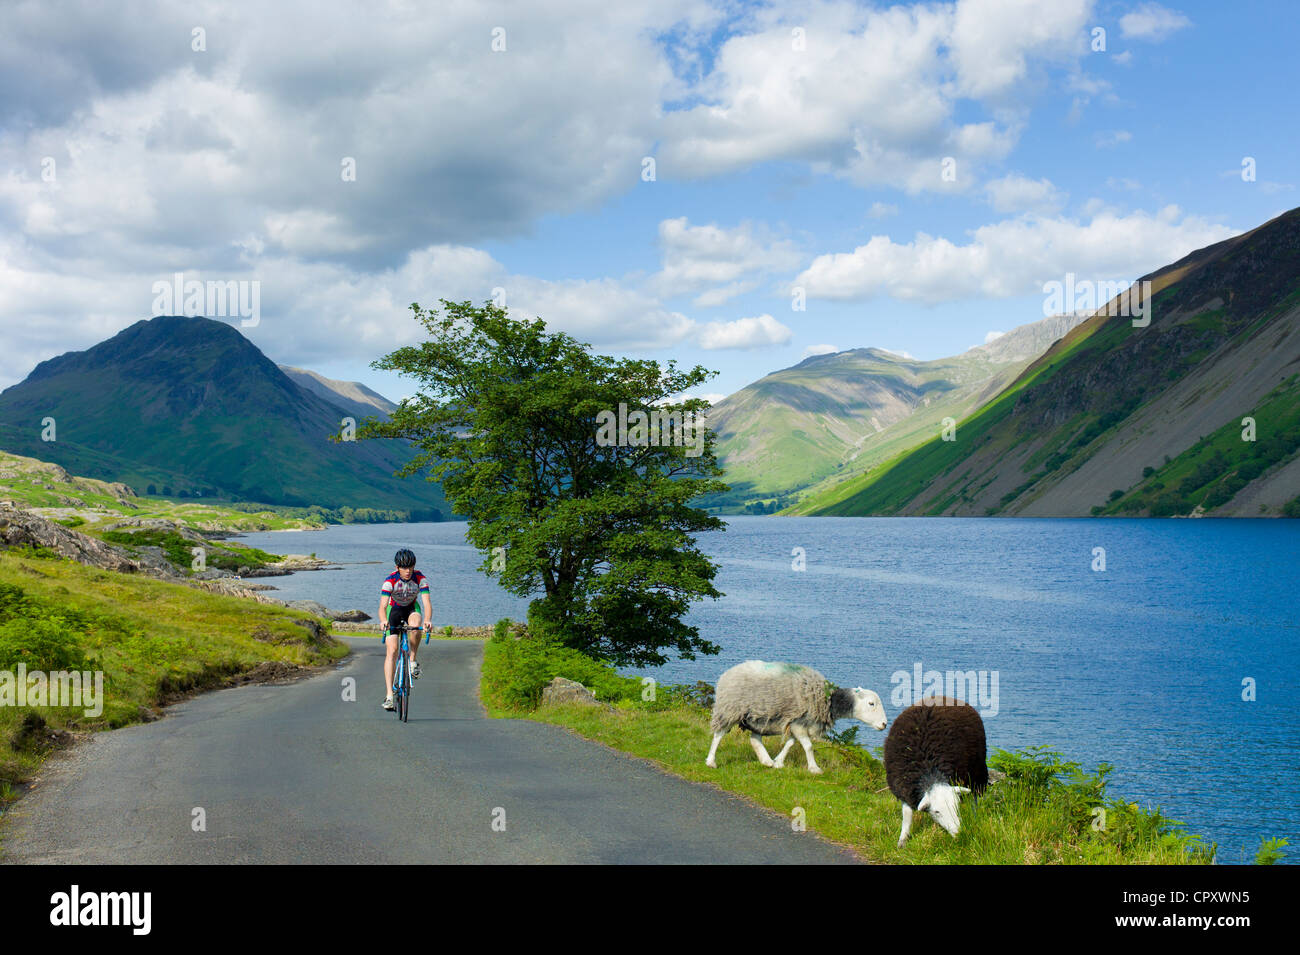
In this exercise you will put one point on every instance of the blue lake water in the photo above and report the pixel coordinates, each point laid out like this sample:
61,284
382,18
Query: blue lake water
1141,664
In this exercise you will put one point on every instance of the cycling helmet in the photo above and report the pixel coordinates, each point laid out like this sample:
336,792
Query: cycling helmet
404,558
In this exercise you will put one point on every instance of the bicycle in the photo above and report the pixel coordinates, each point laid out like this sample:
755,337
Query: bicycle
402,670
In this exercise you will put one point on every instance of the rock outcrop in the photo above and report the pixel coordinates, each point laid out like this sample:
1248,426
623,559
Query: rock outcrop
560,690
23,528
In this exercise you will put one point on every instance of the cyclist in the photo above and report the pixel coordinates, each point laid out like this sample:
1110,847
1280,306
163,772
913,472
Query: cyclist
397,597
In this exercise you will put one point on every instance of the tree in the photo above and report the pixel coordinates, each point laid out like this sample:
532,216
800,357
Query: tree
516,425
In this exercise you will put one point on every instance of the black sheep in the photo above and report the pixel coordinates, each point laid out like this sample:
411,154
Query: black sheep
934,753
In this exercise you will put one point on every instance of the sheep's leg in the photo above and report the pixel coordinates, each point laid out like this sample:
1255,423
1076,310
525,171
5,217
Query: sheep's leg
780,759
759,749
801,735
907,824
711,760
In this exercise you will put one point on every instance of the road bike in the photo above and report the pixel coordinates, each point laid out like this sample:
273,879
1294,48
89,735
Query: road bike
402,671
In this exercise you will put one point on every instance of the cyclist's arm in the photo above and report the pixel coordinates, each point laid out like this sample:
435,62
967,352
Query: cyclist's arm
428,610
383,611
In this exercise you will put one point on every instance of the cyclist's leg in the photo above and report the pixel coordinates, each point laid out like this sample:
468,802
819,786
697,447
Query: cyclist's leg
390,662
390,648
415,638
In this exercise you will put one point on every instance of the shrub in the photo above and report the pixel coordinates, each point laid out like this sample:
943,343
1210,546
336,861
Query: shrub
1041,777
1168,504
41,644
516,671
698,694
13,602
1270,851
1251,469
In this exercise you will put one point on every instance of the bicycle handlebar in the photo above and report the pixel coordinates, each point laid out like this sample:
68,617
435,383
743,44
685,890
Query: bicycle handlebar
408,628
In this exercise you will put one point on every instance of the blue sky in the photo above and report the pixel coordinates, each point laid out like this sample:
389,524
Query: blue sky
797,145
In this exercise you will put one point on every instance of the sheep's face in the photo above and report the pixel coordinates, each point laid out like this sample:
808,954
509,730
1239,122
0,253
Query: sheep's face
940,801
868,708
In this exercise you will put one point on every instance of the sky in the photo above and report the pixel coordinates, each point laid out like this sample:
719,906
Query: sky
734,185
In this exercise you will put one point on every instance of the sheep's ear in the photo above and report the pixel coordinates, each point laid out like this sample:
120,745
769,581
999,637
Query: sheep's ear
924,804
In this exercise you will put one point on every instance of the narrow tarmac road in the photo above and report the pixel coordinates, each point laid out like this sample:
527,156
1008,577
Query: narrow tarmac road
294,774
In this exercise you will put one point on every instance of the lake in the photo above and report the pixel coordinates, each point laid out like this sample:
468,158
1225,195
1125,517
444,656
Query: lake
1143,664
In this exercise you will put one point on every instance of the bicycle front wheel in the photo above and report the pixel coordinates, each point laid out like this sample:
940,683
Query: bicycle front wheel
404,699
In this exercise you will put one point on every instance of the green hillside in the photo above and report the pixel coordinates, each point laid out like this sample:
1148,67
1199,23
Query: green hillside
1118,419
809,429
190,406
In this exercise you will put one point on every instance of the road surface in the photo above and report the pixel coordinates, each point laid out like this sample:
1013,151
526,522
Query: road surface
296,774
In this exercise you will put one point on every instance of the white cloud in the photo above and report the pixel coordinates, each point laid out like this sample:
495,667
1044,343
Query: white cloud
744,333
819,350
315,312
724,261
993,40
882,210
900,354
1151,21
1008,258
992,337
171,155
874,96
1015,193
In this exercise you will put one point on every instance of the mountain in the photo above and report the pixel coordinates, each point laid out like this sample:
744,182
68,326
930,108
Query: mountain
190,404
833,416
353,397
1196,413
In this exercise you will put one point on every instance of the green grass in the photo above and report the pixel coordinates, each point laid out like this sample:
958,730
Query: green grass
151,639
1042,812
23,480
178,549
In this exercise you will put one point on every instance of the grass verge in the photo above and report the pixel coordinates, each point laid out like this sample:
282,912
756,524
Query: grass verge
153,641
1046,809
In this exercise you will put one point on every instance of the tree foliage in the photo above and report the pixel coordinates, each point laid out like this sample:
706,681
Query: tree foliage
506,420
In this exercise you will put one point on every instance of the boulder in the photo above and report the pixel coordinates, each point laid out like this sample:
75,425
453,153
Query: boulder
352,616
19,527
561,690
311,607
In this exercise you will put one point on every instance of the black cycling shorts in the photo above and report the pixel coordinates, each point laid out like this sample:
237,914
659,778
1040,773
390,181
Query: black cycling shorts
397,616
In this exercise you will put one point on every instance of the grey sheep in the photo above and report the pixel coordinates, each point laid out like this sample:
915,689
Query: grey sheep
776,699
934,753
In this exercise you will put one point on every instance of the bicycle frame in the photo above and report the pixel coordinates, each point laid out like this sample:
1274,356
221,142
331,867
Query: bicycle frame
402,672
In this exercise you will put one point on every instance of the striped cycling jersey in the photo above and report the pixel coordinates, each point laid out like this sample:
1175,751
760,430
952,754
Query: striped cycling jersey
403,592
